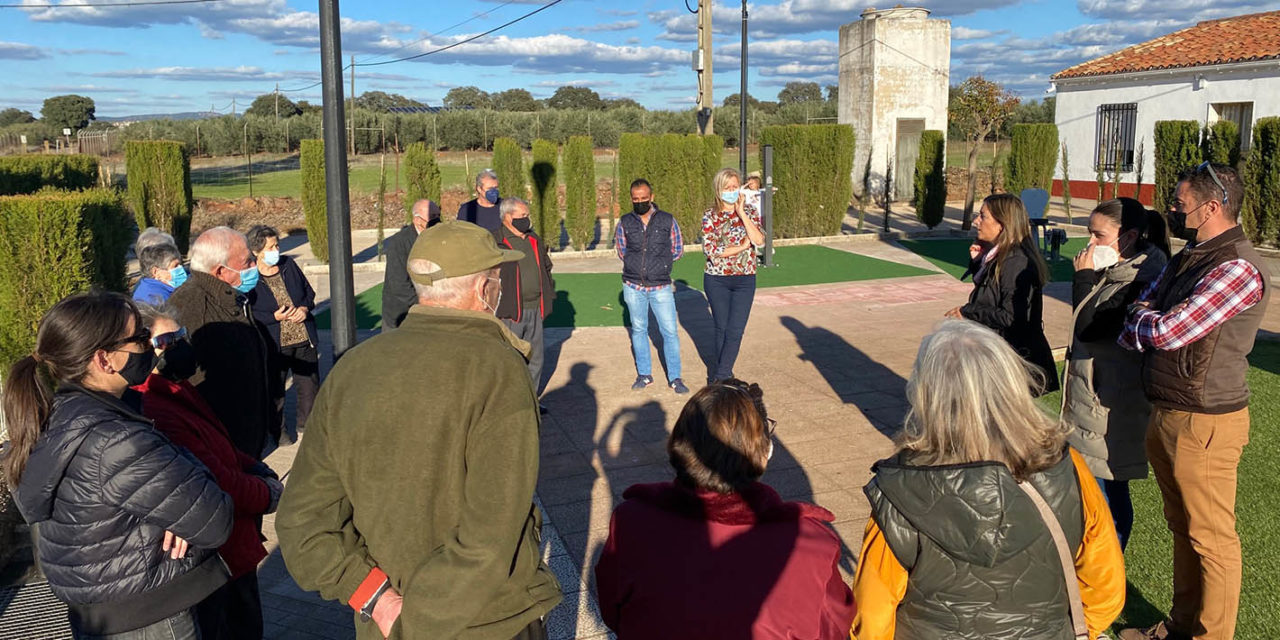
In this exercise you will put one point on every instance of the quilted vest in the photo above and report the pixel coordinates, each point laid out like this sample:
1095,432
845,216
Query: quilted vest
1208,375
647,261
981,561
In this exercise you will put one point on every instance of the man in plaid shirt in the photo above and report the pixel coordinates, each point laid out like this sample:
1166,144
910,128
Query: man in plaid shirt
648,241
1196,325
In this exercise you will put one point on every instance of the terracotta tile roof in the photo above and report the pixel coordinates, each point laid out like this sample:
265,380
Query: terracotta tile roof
1240,39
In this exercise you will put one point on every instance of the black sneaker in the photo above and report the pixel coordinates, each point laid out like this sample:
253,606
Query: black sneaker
677,385
641,382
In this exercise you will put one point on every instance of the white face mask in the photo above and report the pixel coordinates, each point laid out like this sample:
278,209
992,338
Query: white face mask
1104,256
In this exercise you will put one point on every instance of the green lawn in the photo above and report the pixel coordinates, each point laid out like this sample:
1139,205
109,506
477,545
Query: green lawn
1149,556
595,299
279,176
952,255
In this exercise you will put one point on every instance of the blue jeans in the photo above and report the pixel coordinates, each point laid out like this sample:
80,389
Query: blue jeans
1117,495
730,298
180,626
663,304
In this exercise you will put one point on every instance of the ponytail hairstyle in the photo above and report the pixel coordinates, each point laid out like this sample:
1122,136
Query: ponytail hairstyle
70,334
1131,214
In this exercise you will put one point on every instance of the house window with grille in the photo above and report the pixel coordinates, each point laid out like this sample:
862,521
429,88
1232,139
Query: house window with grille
1114,142
1240,113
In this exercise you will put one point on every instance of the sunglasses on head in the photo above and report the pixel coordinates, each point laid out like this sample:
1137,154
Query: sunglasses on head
166,340
1213,174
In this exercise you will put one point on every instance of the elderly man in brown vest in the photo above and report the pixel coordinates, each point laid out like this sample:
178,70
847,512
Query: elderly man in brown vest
1196,325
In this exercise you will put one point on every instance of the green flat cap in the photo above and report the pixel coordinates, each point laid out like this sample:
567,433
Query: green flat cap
458,249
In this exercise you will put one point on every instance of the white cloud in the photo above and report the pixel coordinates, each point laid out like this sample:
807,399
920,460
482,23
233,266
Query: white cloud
86,88
209,32
621,25
556,84
965,33
90,52
20,51
1187,11
206,74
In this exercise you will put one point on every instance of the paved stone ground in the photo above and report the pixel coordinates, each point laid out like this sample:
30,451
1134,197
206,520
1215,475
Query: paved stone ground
832,359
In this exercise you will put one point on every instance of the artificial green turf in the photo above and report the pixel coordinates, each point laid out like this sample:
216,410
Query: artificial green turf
595,299
1149,556
952,255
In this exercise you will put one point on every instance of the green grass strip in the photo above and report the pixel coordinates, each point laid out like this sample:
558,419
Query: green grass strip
952,255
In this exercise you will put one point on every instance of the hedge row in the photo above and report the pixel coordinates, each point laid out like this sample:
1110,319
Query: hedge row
1033,154
314,198
544,206
53,244
422,178
931,178
508,163
812,168
1220,143
680,168
1177,147
159,177
1260,213
580,191
31,173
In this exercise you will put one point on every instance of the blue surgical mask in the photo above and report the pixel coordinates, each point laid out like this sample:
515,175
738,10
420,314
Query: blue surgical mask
491,195
271,258
248,279
177,276
729,197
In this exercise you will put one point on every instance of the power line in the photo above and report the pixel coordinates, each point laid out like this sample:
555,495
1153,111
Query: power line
438,33
471,39
144,3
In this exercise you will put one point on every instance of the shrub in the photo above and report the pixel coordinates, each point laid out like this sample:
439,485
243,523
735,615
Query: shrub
545,204
633,157
314,199
31,173
508,163
1220,143
580,191
53,244
1033,152
931,179
422,178
1066,182
680,168
812,169
159,177
1177,148
1260,211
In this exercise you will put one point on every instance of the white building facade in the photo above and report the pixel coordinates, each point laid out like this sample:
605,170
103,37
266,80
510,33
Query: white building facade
1107,108
895,67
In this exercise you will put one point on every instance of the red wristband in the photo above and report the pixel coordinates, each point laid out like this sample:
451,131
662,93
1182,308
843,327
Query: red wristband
367,588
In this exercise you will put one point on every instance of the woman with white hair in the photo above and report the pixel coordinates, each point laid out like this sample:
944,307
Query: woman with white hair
730,233
984,524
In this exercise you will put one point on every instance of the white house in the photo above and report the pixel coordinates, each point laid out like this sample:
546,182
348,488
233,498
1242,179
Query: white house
1226,69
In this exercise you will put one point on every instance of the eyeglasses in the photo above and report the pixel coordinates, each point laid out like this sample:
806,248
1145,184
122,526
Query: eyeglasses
166,340
1213,174
141,338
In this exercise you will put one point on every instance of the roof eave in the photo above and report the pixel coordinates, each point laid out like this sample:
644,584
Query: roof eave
1131,75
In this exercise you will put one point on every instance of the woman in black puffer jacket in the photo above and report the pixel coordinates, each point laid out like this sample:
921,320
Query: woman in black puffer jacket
127,525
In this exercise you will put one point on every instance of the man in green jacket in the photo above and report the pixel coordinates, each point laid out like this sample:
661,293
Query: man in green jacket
411,495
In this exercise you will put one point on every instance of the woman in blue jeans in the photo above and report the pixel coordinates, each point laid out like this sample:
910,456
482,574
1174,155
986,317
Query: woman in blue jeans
730,234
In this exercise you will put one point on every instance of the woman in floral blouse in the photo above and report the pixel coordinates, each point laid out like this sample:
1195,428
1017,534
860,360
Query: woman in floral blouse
730,233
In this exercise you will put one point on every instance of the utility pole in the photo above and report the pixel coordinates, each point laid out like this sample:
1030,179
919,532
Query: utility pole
342,290
742,99
702,66
233,106
353,105
277,101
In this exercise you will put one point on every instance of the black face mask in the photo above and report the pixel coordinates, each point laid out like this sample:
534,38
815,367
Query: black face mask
523,225
1178,226
641,208
178,362
138,367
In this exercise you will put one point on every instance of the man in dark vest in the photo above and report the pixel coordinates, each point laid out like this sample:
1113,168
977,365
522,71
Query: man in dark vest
1196,325
528,289
482,210
397,290
648,241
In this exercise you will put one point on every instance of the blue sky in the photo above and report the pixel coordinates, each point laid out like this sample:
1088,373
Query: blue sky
196,57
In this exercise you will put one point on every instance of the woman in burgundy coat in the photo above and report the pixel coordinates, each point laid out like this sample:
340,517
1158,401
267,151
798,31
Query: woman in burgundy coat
179,411
717,554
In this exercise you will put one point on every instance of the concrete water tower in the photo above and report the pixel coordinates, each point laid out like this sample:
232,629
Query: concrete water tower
895,67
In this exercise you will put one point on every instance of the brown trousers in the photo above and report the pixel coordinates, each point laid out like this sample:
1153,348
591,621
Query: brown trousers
1194,457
